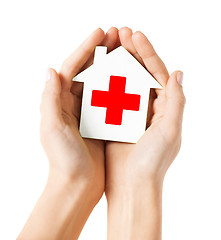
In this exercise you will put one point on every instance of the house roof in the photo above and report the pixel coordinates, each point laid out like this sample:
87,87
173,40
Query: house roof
121,59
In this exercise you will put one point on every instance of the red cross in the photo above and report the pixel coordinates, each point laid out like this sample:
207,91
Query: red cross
115,100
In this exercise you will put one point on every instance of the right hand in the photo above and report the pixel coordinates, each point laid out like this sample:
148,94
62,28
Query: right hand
70,156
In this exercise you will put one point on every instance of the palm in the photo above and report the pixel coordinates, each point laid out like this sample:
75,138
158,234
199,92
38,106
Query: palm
88,154
83,153
121,155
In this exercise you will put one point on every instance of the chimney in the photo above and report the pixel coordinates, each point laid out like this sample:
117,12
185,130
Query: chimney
100,52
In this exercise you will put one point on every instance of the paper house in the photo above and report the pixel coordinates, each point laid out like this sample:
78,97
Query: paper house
115,96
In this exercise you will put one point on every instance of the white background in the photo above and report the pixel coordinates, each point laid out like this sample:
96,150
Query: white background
39,34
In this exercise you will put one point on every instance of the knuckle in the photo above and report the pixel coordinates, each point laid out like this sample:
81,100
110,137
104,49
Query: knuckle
45,93
66,67
182,100
87,50
179,99
49,93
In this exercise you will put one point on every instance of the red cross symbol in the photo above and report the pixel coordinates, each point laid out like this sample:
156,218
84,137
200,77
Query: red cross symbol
115,100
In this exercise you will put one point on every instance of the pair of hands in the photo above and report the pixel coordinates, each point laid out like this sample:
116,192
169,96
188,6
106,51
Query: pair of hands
111,166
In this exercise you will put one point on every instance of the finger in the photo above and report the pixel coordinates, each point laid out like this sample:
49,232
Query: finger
78,58
151,60
118,42
175,100
51,97
111,39
125,35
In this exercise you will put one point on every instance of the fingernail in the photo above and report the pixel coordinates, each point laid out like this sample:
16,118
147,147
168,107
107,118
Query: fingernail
180,78
48,74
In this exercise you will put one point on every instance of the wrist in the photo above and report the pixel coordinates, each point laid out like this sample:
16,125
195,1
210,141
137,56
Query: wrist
134,189
72,186
135,207
64,206
130,186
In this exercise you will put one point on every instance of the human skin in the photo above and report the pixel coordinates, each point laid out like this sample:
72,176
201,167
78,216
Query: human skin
76,178
135,172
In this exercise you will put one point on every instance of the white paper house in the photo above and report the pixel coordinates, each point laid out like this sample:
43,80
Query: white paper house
115,96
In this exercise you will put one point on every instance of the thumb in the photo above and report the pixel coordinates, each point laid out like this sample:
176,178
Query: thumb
175,100
51,99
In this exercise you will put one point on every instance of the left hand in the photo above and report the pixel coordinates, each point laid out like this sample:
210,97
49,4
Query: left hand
134,165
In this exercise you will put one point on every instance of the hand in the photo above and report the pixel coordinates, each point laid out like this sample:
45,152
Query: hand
151,156
70,156
76,178
135,172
